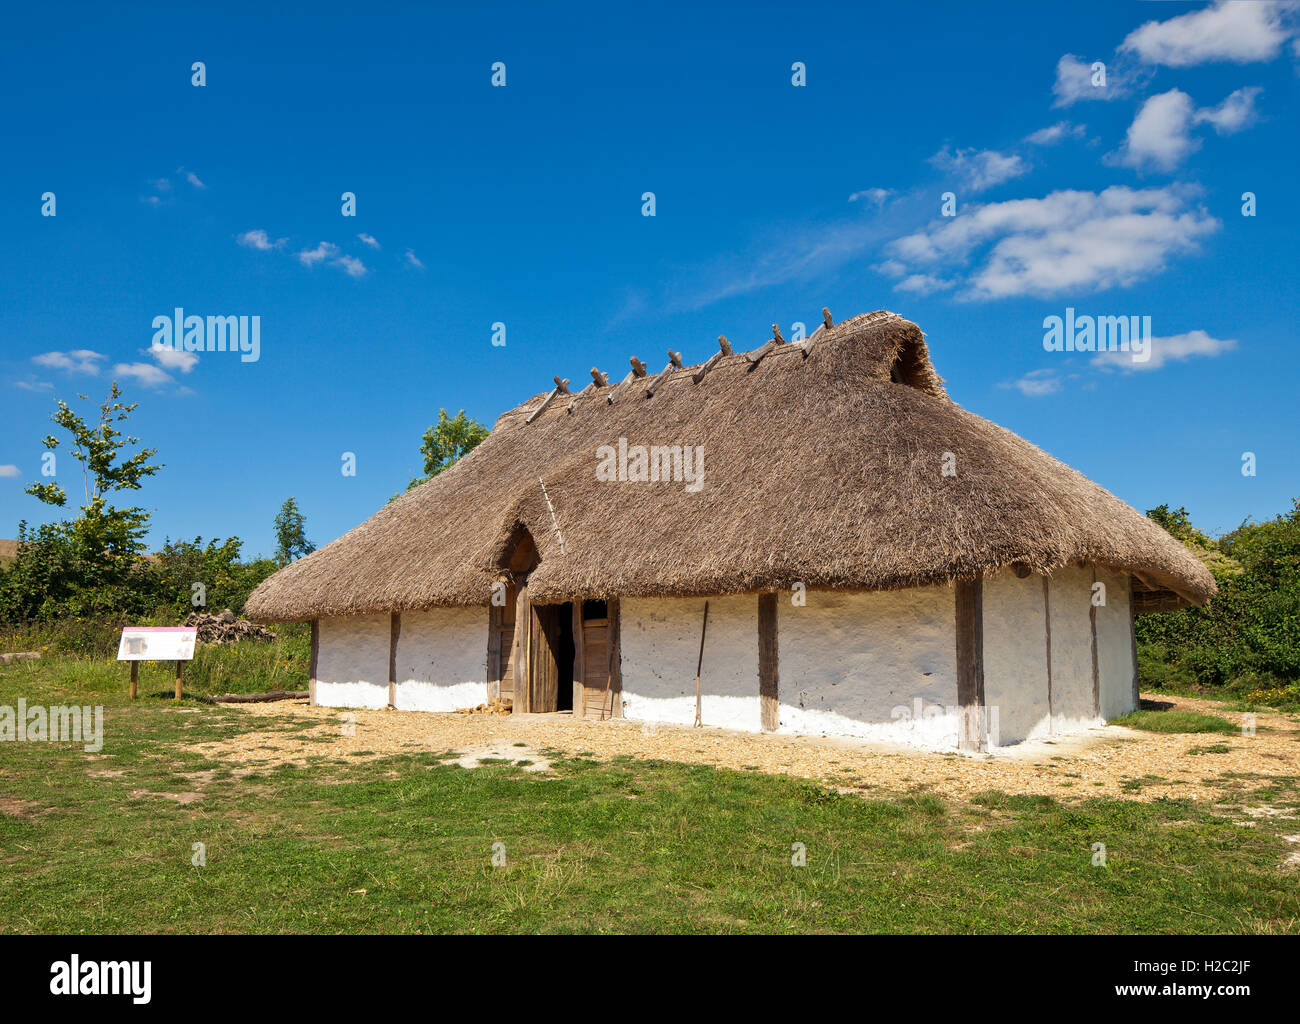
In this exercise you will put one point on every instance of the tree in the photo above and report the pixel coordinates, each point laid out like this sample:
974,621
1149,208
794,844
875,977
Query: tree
92,559
446,441
1179,524
290,533
226,581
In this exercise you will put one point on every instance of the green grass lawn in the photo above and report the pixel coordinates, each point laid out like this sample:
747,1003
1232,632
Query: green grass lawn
405,844
1178,721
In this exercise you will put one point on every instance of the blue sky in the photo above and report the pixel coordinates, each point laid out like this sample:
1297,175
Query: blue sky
522,205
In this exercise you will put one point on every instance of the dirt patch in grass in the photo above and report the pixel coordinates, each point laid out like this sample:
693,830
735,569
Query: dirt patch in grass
14,808
180,798
519,754
1111,761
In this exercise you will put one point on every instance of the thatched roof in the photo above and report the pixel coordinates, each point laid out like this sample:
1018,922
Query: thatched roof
823,466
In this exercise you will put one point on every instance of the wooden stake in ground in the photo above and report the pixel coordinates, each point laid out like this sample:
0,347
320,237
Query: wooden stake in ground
135,675
699,665
180,671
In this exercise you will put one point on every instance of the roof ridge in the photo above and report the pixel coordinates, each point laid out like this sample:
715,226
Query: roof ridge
534,407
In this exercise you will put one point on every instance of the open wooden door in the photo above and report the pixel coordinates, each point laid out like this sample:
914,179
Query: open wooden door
544,656
501,647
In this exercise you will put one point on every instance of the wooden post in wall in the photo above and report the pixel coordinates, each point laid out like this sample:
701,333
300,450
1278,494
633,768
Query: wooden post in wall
768,663
970,663
1133,645
394,631
1047,627
1092,625
315,656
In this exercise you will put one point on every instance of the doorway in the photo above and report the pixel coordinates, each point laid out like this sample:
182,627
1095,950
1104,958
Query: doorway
545,656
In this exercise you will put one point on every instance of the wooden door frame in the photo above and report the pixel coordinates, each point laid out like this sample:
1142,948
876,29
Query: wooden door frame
579,691
523,643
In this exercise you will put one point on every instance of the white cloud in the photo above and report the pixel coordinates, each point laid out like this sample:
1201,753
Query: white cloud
9,470
33,385
328,252
1036,383
79,360
193,179
413,260
922,284
324,251
1159,136
977,170
173,358
260,240
1240,31
874,196
352,266
369,240
146,374
1176,348
1233,114
1068,242
1055,133
1074,82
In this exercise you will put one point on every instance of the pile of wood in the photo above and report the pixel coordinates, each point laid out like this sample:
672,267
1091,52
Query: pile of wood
496,706
226,628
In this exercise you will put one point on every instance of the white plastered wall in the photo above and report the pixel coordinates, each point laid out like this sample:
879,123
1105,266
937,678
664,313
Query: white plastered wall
442,659
877,665
868,665
660,643
352,662
1015,652
1115,646
1015,656
1071,602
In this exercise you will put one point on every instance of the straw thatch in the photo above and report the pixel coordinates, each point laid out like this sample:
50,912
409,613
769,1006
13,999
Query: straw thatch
822,467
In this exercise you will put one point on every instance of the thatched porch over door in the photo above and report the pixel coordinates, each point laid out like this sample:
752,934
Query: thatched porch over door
549,657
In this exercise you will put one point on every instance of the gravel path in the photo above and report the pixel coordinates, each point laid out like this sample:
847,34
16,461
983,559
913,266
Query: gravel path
1104,762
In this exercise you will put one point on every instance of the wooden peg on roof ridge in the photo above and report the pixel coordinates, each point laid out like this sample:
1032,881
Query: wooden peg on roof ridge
776,335
658,379
638,367
713,361
826,318
675,359
601,379
562,386
724,344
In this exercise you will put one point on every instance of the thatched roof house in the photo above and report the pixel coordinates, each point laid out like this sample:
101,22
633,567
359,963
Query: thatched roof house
832,478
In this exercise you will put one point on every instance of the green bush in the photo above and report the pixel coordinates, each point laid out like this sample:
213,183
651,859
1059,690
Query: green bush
1247,639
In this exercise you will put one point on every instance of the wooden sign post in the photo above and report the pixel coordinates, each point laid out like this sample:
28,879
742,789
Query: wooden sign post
157,643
